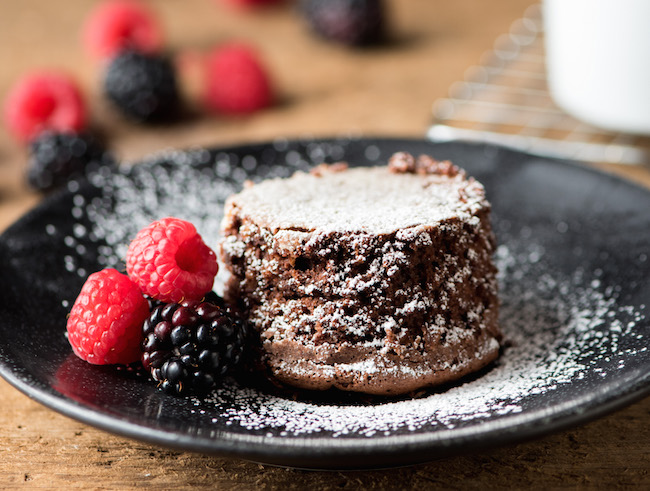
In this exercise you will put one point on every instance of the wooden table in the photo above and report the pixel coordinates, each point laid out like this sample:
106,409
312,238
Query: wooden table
323,90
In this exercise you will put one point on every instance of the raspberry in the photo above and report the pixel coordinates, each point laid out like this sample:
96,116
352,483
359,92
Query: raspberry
236,82
42,101
56,158
188,347
351,22
105,323
170,262
119,25
142,86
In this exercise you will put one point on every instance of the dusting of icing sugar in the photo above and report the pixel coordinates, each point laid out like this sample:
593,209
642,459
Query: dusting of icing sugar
359,200
558,329
563,328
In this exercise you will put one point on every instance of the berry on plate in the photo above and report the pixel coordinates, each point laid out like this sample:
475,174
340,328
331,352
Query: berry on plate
170,262
236,81
119,25
350,22
105,323
142,86
189,347
55,158
44,101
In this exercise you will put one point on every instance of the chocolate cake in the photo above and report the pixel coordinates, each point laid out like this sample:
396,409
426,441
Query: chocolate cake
369,279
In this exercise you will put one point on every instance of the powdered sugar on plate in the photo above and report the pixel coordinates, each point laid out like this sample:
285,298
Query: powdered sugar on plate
191,185
557,332
563,329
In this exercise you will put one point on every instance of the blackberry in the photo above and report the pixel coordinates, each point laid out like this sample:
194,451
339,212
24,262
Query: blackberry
351,22
152,302
189,347
55,158
143,86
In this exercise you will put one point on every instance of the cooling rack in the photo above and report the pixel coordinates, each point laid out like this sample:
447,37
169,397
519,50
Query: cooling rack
505,100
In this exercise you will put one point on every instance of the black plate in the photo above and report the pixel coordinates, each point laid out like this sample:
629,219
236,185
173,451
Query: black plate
573,255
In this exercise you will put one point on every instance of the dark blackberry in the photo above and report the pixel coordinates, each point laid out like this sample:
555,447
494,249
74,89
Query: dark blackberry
55,158
153,303
351,22
214,298
188,348
142,86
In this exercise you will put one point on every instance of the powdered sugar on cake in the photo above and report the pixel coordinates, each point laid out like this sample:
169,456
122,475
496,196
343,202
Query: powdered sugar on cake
373,202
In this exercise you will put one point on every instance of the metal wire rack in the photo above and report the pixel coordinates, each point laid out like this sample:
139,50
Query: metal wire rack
505,100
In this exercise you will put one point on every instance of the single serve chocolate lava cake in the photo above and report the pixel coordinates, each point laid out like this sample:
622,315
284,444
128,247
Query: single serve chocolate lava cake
369,279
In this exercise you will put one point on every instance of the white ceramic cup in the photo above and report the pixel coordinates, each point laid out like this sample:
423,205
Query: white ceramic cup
598,61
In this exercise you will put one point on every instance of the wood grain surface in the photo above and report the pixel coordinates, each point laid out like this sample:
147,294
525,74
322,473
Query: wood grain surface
323,90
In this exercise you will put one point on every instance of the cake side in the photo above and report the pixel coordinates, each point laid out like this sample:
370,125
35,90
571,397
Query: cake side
363,306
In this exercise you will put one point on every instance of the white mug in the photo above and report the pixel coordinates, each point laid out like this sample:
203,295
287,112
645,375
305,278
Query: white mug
598,61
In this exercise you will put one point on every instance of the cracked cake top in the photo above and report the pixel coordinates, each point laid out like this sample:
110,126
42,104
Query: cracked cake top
333,198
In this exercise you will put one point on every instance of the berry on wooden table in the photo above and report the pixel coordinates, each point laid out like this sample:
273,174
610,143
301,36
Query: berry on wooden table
105,323
350,22
116,26
142,86
44,101
236,81
170,262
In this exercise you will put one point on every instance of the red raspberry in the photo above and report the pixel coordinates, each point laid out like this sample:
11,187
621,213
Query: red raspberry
170,262
105,323
236,82
118,25
44,101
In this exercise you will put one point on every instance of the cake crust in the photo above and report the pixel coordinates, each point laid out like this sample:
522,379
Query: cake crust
376,280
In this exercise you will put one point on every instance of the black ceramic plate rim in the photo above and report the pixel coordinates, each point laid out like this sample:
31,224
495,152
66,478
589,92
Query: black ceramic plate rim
407,449
314,453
